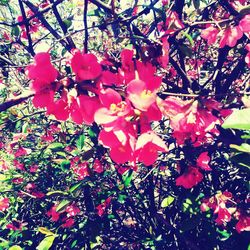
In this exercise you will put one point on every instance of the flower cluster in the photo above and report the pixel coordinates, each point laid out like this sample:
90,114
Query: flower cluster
66,215
228,36
225,208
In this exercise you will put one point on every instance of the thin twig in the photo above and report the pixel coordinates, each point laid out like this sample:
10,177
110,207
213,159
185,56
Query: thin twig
85,21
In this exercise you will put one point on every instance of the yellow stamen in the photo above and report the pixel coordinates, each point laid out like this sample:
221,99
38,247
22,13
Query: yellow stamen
146,93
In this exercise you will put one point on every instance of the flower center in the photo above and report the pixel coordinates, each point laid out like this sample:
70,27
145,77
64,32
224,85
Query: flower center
119,107
146,94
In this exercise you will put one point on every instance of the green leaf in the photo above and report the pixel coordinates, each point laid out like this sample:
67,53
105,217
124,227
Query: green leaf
75,187
15,247
190,39
15,31
67,23
127,178
62,205
60,153
196,4
45,231
167,201
80,142
242,159
246,136
244,147
46,243
73,243
65,164
56,146
122,198
245,10
91,133
25,127
4,2
239,119
56,193
96,12
224,233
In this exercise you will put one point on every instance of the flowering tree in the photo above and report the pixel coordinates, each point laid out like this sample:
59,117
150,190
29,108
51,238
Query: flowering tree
124,124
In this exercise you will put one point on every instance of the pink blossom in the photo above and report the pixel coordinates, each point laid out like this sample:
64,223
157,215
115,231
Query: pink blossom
101,208
147,147
230,36
4,204
245,23
203,161
190,178
210,34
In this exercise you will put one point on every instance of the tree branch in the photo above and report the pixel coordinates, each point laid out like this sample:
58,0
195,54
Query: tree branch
47,25
46,9
30,46
15,101
85,21
62,25
186,81
102,5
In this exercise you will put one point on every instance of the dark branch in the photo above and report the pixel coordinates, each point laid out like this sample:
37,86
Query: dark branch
85,21
47,25
62,25
15,101
30,46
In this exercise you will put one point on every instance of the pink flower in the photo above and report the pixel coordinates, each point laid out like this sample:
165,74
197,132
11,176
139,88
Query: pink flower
247,58
97,166
141,95
18,165
224,216
219,203
164,59
203,161
53,213
127,71
59,108
42,72
103,206
21,152
230,36
210,34
190,120
108,78
147,147
4,204
17,180
85,66
113,108
83,108
164,2
81,169
43,98
33,168
243,224
245,23
72,210
190,178
16,225
3,166
172,24
68,222
122,169
121,145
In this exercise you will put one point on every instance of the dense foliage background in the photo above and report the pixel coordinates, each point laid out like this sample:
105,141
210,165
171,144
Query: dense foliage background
124,124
